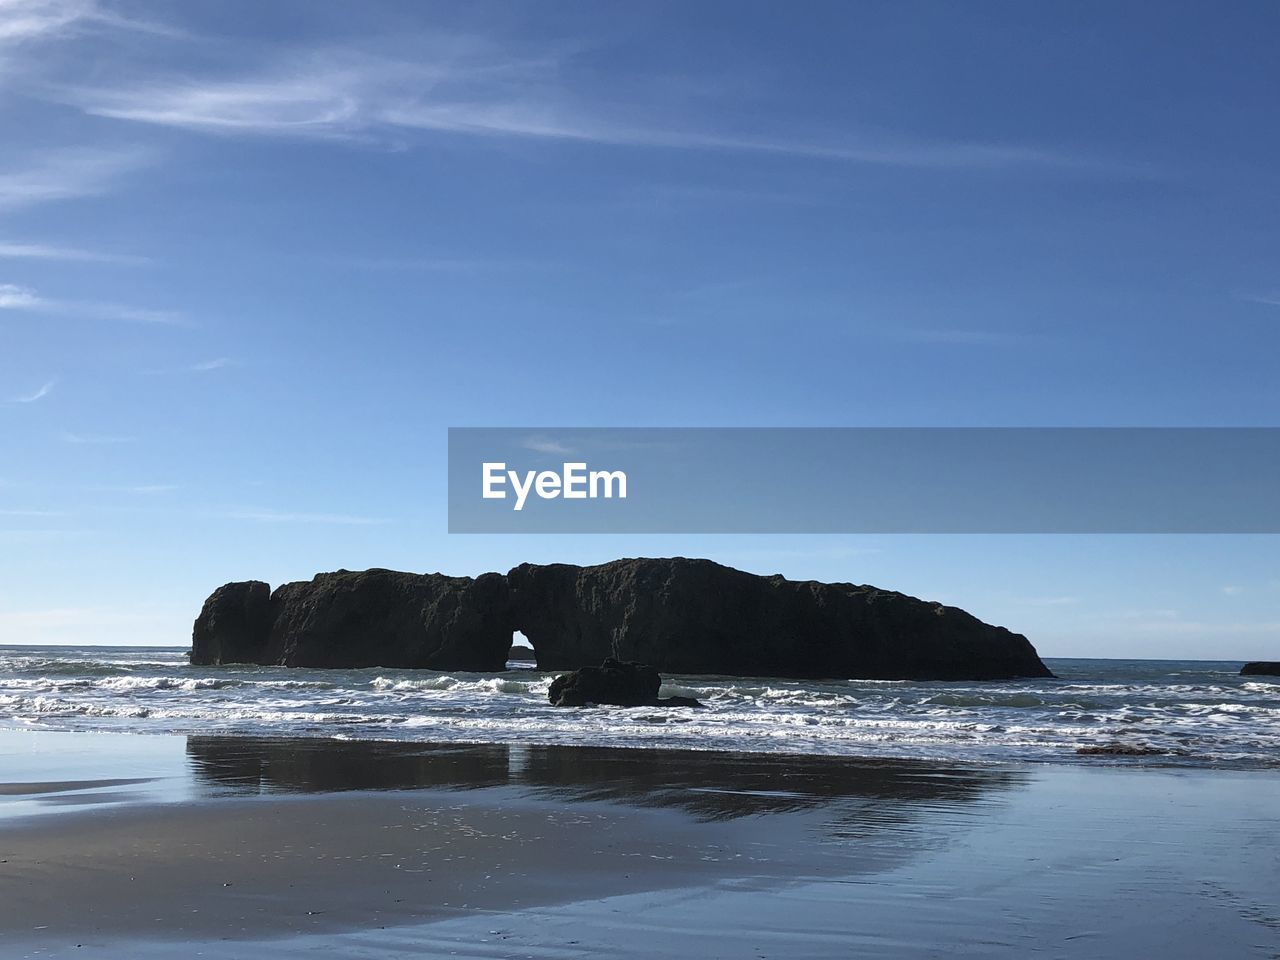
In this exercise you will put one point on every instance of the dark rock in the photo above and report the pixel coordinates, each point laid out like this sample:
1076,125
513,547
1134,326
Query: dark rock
696,616
616,682
365,619
1124,750
1261,668
519,651
235,624
680,702
677,615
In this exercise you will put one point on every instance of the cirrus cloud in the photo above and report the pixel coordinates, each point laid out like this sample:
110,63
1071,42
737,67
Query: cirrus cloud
38,394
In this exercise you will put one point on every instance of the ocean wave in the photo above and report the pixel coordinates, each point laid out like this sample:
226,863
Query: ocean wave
1204,717
485,686
132,684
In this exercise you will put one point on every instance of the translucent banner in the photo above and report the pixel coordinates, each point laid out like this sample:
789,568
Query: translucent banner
864,480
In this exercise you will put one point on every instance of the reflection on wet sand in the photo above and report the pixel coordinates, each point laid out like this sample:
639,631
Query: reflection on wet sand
709,786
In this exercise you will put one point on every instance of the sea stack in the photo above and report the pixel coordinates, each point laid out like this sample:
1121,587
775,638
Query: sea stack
696,616
616,683
676,615
371,618
1261,668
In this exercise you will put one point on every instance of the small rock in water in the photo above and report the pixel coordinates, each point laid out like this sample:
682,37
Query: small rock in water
1121,750
619,683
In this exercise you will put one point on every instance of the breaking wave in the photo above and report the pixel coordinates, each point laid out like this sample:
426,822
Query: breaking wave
1183,712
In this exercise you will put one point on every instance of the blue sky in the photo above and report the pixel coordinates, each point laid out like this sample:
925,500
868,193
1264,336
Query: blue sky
256,258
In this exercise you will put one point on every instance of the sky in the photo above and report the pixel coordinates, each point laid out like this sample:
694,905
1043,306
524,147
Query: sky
256,259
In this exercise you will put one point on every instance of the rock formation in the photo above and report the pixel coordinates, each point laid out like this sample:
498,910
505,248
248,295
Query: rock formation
235,625
1261,668
696,616
614,682
372,618
1126,750
678,615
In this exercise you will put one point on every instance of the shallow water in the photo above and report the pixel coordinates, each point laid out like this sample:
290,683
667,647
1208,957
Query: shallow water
1198,713
319,847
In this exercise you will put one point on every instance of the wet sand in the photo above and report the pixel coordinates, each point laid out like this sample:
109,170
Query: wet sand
234,847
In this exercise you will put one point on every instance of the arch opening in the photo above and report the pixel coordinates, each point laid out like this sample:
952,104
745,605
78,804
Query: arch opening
522,655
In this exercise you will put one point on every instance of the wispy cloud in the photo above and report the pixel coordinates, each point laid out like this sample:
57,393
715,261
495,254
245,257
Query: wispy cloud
24,21
330,94
14,297
468,88
1233,590
42,251
67,173
521,119
32,513
94,438
202,366
545,445
275,516
38,394
1267,299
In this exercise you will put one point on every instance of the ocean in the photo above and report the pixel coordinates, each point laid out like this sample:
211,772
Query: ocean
1194,713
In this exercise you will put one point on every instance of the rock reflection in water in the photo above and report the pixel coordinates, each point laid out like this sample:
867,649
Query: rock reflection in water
709,786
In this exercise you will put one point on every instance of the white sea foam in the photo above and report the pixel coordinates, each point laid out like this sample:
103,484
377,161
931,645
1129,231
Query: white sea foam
1195,713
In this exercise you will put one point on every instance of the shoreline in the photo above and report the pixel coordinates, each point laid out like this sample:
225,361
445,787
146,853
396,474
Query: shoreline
251,847
1085,758
1171,712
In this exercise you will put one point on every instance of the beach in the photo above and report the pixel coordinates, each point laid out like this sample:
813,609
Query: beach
639,481
224,846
